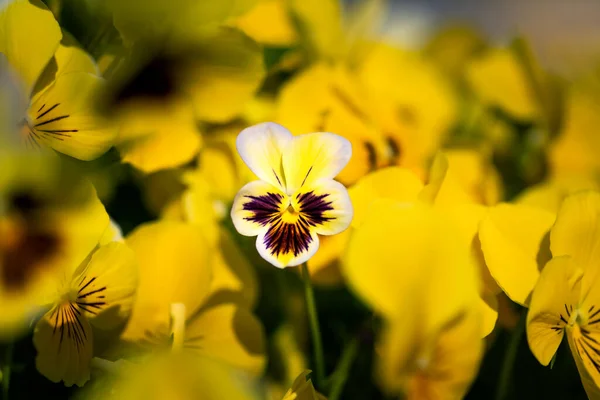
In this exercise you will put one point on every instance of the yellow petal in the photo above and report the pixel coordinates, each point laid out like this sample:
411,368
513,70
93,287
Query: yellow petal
556,293
29,36
488,307
62,117
576,233
107,284
173,260
271,246
498,79
388,183
585,354
324,266
172,143
261,147
64,343
513,237
303,389
453,364
224,75
228,333
70,57
269,23
549,195
326,205
411,256
255,205
314,156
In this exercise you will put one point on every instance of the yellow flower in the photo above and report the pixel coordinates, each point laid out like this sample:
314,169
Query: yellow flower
303,389
60,112
296,197
98,293
182,293
566,298
268,22
50,220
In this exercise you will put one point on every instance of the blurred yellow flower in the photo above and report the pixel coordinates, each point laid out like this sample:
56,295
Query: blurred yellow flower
98,293
296,197
565,298
50,220
59,111
178,270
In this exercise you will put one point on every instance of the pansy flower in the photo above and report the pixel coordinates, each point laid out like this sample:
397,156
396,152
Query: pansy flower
59,112
98,293
296,198
566,298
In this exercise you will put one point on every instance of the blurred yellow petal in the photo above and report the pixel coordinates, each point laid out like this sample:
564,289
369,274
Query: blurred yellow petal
64,344
388,183
199,208
549,195
173,143
261,147
314,156
173,260
29,36
320,23
499,80
303,389
324,266
269,23
228,333
410,256
225,77
514,240
107,284
488,307
63,117
447,373
556,293
72,58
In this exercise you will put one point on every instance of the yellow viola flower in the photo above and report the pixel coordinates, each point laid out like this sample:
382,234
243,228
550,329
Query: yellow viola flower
565,298
296,198
59,113
303,389
180,304
98,293
50,219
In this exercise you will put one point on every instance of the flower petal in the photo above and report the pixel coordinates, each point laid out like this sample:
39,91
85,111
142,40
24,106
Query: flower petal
512,237
255,206
394,183
62,117
29,36
107,284
314,156
64,343
326,205
576,233
261,147
284,245
174,267
586,354
555,294
229,333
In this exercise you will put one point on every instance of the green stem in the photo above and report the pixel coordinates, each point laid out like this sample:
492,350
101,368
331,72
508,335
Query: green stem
510,357
6,371
340,375
314,326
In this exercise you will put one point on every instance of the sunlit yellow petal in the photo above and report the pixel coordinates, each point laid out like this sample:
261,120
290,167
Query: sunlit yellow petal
549,195
269,23
173,268
314,156
576,233
64,343
514,244
106,285
229,333
29,36
552,302
261,147
62,117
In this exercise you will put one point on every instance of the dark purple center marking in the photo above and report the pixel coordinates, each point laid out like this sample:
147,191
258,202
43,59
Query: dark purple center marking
285,237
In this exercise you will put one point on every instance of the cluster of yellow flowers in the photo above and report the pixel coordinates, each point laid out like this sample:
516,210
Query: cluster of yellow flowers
448,188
